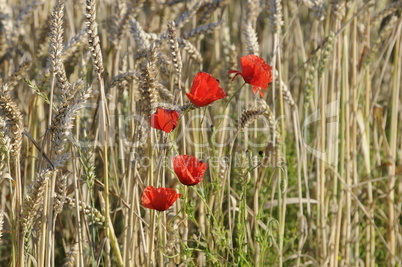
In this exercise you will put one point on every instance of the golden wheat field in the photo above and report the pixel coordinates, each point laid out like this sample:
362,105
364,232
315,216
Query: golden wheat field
200,133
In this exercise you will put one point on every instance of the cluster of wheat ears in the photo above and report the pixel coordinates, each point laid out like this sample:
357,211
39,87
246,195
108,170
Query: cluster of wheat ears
308,174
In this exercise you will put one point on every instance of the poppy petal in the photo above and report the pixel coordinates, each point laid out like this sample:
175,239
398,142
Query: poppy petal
159,198
205,90
189,169
164,119
256,72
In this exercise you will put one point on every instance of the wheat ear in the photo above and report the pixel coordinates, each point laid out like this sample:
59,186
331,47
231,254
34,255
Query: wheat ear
148,83
63,121
56,47
186,16
32,202
70,260
93,38
175,53
140,36
16,76
251,39
88,210
74,44
14,124
5,147
250,115
209,7
203,29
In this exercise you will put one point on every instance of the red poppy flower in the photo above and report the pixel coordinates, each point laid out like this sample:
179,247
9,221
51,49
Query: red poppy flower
159,198
189,169
205,90
165,119
255,72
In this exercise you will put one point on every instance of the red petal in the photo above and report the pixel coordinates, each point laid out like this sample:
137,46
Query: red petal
189,169
256,71
164,119
205,90
159,198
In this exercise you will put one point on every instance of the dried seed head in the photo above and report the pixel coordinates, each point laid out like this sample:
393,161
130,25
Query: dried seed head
250,115
92,212
275,11
140,36
13,119
14,78
148,83
203,29
93,38
175,53
251,39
